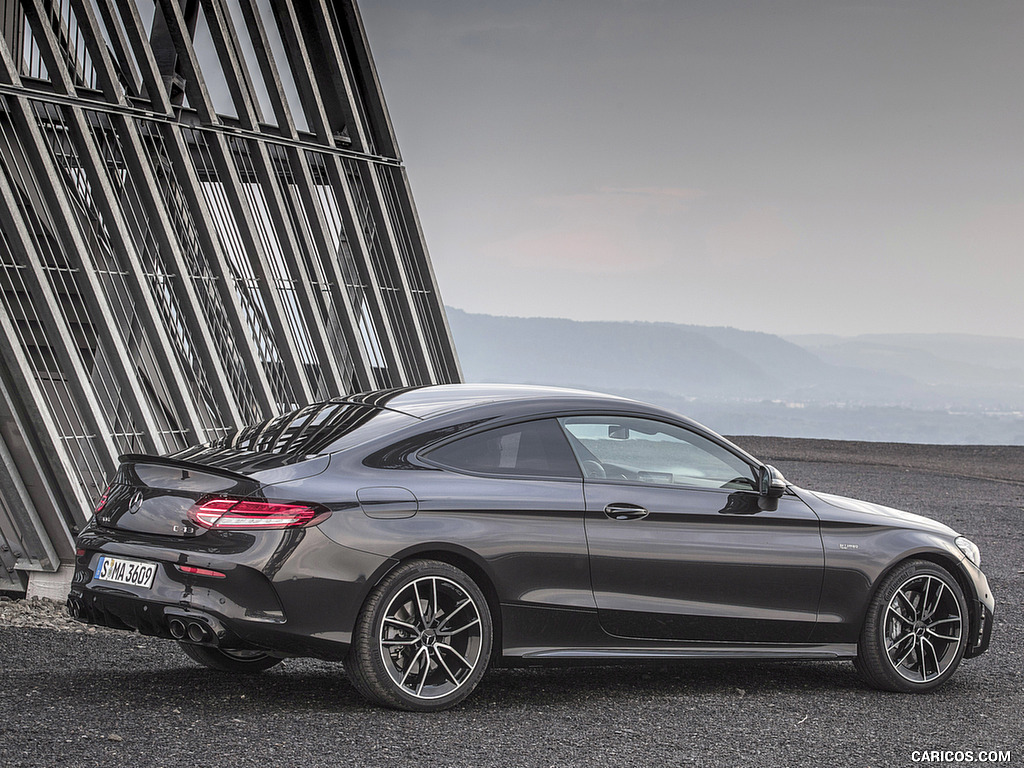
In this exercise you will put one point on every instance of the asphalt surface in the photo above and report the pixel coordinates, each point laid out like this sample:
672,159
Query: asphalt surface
79,698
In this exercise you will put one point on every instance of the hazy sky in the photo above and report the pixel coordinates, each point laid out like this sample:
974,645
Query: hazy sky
791,167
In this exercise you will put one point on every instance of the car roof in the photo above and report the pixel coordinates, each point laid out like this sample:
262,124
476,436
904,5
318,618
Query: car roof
432,401
425,402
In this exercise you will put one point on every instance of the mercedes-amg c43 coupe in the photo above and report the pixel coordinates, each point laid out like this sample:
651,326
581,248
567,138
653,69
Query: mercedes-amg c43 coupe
422,535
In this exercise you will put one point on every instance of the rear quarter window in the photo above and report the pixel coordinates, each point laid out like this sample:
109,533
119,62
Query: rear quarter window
532,448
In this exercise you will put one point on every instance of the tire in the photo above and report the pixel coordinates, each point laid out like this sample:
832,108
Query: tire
422,640
243,662
916,630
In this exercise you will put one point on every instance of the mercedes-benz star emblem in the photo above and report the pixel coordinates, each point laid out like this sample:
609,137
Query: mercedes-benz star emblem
136,503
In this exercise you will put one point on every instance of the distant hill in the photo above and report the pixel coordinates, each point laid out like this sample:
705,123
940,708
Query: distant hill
686,360
990,366
927,388
994,351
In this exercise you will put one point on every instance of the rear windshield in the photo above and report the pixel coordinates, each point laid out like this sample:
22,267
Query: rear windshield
297,435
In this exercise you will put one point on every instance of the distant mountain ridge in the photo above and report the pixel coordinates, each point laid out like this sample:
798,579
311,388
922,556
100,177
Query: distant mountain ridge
957,359
687,360
1000,351
970,387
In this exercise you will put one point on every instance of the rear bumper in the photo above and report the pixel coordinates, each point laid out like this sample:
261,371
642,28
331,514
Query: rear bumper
287,596
127,612
120,610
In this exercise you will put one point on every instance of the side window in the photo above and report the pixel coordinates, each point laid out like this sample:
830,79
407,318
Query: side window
647,451
531,448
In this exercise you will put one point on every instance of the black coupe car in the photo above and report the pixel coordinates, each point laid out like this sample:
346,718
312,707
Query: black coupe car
421,535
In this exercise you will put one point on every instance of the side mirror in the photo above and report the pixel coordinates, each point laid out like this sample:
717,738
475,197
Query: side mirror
771,486
616,432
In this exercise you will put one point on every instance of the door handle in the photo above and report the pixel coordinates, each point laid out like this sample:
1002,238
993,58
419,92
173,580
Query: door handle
623,511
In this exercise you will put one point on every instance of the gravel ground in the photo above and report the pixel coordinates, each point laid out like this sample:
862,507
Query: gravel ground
74,697
39,613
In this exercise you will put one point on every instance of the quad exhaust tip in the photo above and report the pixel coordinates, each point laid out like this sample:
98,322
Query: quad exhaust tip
194,631
177,628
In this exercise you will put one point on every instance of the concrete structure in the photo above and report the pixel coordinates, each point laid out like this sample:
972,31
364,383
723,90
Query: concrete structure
204,221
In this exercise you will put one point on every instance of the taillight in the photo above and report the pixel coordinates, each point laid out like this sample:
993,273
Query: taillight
244,515
103,499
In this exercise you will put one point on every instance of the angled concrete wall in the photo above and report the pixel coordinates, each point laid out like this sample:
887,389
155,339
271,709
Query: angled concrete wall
204,221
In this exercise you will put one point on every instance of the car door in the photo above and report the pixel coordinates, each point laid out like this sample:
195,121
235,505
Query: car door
516,500
679,549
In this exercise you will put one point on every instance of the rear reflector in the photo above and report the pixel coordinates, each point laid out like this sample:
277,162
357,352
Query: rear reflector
239,515
201,571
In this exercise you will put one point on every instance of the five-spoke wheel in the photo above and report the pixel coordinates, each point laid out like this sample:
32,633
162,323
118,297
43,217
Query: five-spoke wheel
915,631
423,639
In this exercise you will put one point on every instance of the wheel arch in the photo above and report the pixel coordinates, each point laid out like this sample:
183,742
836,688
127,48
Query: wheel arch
468,562
936,557
954,569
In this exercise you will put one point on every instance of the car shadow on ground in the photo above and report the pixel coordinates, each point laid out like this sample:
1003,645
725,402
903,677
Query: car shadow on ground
304,685
554,684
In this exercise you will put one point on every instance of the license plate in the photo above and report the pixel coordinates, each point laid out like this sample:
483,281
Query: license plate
120,571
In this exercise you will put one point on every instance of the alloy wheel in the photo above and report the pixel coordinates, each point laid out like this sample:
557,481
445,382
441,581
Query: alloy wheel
923,628
431,637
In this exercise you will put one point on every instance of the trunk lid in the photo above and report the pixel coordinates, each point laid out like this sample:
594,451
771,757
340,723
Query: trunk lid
152,494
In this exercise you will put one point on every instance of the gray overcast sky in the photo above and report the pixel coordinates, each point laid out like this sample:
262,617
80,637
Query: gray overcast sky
785,166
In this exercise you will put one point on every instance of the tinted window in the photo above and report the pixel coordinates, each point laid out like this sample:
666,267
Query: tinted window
531,448
653,452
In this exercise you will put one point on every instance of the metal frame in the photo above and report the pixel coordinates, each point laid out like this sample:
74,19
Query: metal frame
176,261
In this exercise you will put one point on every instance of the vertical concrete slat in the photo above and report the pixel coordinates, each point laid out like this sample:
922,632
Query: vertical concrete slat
228,176
126,130
302,71
304,184
186,409
58,335
183,168
223,35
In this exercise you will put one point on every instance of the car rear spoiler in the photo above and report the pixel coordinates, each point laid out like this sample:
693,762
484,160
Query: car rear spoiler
234,483
167,461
